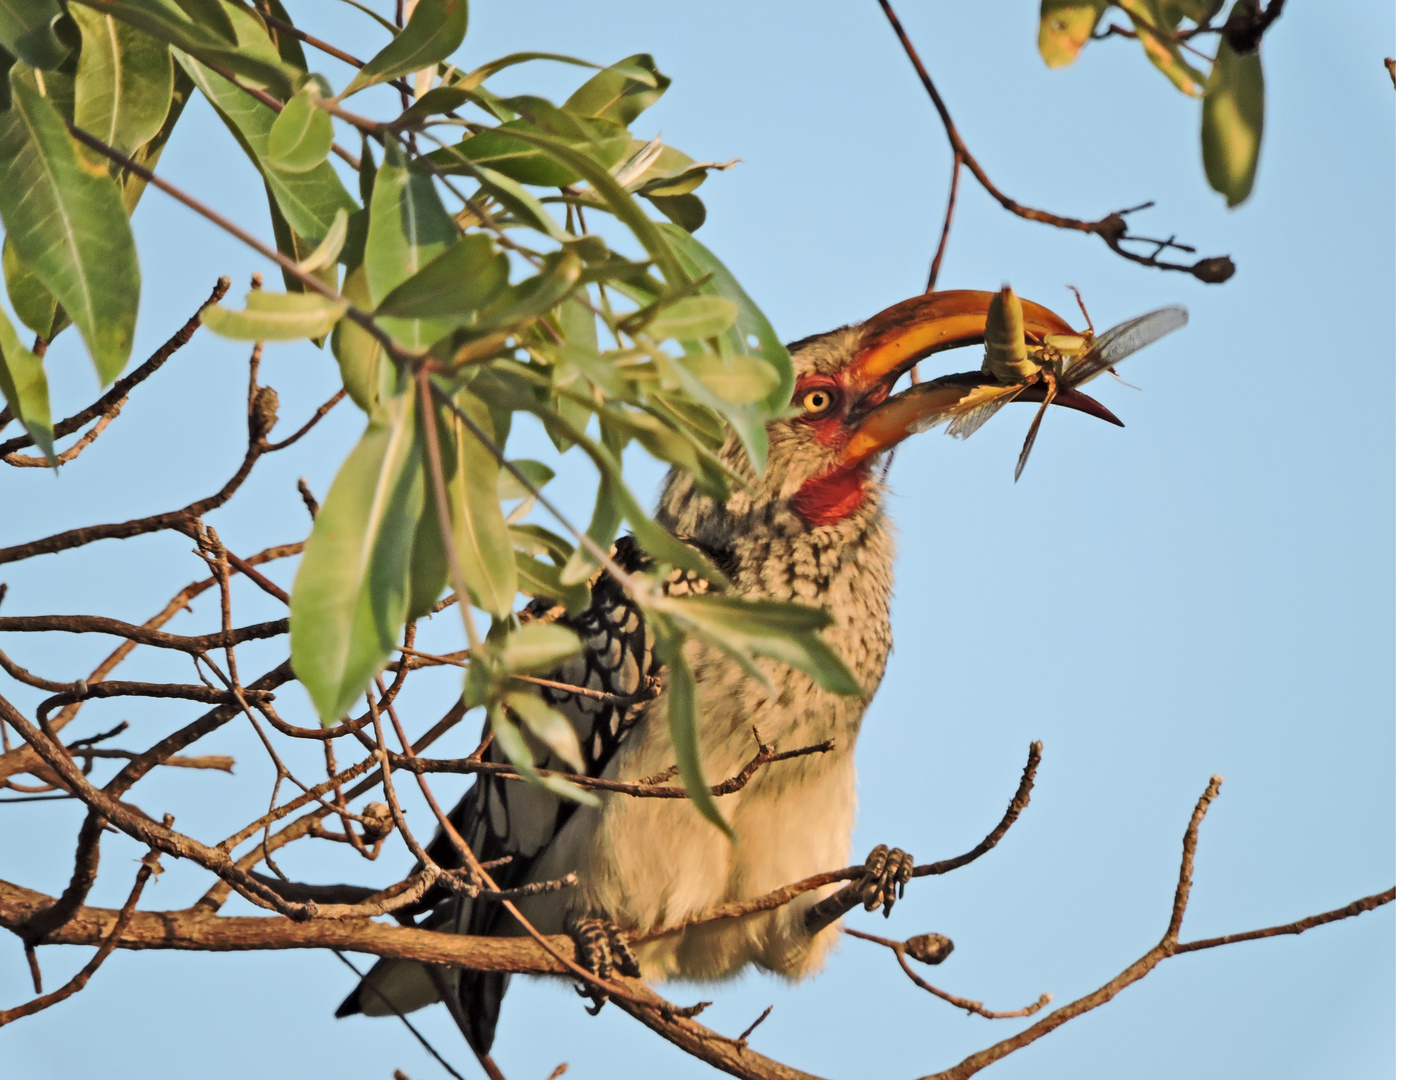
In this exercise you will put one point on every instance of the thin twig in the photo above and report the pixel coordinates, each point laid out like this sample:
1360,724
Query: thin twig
1111,228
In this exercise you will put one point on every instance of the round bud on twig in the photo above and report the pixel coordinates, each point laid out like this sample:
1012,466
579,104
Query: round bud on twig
929,948
1214,271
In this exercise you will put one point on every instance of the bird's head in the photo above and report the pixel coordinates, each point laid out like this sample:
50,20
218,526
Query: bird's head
847,413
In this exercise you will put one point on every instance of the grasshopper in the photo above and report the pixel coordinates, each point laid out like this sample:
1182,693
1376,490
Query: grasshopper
1059,362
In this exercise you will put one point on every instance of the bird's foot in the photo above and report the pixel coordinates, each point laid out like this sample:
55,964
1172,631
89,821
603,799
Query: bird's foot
602,949
887,871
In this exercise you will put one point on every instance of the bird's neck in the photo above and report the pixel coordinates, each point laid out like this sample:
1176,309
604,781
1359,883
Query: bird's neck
772,551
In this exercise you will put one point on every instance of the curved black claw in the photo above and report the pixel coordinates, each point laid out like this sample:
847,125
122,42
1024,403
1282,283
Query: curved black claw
602,949
887,871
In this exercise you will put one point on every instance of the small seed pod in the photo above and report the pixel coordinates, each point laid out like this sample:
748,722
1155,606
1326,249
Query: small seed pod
929,948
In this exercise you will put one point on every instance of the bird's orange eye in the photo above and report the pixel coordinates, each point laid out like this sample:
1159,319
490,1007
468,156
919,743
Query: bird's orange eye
816,402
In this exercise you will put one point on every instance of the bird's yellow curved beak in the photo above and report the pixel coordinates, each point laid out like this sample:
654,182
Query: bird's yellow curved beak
899,337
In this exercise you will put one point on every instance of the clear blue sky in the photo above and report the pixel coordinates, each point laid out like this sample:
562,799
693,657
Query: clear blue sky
1208,590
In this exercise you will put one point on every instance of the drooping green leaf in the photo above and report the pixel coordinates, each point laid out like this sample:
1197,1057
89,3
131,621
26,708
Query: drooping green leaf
1064,27
511,742
433,32
682,709
122,91
739,380
69,226
536,647
407,228
621,92
26,389
781,631
550,726
309,200
27,31
352,591
271,316
456,284
484,550
751,332
430,566
149,153
366,371
694,318
33,303
301,135
1232,122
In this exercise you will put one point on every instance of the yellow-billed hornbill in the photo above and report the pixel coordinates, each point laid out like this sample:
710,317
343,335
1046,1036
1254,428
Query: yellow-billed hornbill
811,530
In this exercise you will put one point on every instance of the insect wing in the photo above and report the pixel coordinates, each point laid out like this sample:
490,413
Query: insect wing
978,406
1120,341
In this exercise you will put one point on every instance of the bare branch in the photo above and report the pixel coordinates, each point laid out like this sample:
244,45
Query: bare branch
1111,229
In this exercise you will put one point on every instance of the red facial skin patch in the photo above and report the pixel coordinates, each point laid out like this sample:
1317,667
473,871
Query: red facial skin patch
835,495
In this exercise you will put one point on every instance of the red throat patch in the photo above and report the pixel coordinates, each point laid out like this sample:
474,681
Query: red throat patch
833,496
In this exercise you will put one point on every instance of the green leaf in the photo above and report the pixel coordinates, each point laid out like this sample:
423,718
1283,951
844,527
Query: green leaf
301,135
33,303
621,92
27,31
484,71
751,332
552,727
1064,27
122,91
149,153
510,487
694,318
325,255
682,710
255,59
26,389
535,295
1232,123
212,14
542,581
618,200
511,742
538,646
456,284
352,591
686,211
781,631
739,380
271,316
1161,50
483,547
309,200
433,32
366,373
69,226
407,228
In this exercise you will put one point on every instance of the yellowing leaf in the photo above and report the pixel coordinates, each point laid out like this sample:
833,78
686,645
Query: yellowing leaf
271,316
1063,28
